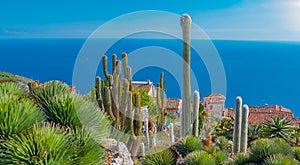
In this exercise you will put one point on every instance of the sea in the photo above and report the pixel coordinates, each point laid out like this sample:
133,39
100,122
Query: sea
261,72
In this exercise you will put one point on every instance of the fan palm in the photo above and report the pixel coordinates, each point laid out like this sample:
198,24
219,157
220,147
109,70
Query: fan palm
278,127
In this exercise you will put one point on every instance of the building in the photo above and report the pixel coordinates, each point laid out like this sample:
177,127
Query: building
146,85
214,103
173,107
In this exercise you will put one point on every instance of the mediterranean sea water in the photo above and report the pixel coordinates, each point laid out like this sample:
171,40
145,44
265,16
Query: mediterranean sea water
262,72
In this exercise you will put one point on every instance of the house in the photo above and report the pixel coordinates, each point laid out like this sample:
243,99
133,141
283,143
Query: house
214,103
173,107
145,85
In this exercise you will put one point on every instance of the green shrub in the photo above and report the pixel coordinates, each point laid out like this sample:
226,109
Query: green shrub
16,116
188,144
200,158
11,88
262,149
50,144
159,156
281,160
297,152
241,159
224,144
5,77
221,158
266,148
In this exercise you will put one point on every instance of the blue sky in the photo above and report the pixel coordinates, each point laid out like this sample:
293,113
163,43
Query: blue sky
227,19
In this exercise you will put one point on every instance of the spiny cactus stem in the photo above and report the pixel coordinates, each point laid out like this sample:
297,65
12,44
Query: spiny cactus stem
147,134
244,129
171,133
196,99
104,65
237,126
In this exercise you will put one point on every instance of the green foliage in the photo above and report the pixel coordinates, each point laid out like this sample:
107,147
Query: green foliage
254,133
17,115
241,159
201,117
188,144
146,100
220,157
297,152
10,88
224,144
4,77
278,127
159,156
200,158
266,148
49,144
45,93
281,160
225,128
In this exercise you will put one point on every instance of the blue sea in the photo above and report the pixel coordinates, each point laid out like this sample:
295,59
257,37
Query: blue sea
262,72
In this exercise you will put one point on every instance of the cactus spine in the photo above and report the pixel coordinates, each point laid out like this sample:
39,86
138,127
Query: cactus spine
244,129
237,126
196,98
161,99
171,133
185,22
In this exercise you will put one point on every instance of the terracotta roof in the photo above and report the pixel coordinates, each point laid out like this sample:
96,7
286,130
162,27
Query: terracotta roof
146,85
173,103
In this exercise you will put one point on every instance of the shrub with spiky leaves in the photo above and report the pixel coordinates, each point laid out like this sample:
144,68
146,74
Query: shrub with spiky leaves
74,111
200,158
11,88
50,144
278,127
297,152
266,148
41,145
224,144
160,156
44,93
17,115
220,157
254,132
241,159
281,160
188,144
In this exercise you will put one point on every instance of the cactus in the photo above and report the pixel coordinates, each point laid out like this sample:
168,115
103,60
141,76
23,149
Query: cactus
196,113
114,62
244,129
171,133
107,103
125,65
147,134
142,147
98,93
185,22
161,99
104,65
153,140
237,126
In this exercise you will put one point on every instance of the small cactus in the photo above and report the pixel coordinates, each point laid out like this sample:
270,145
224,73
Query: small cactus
147,134
171,133
196,113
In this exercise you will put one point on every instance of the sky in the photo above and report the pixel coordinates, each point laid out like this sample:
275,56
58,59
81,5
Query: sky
224,20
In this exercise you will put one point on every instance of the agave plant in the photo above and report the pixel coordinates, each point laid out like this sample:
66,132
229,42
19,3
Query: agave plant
254,132
224,144
278,127
241,159
188,144
159,156
11,88
200,158
17,115
49,144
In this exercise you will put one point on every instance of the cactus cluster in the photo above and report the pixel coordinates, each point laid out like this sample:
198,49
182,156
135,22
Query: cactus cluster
114,96
240,132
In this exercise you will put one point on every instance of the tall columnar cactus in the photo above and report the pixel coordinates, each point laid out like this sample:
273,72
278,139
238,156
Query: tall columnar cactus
146,125
104,65
125,64
171,133
237,126
161,100
195,117
107,103
244,129
185,23
114,62
124,102
98,93
143,151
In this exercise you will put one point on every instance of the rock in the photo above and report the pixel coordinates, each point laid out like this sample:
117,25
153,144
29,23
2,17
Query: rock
119,153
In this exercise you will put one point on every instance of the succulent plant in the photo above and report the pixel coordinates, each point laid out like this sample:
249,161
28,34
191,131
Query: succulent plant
237,126
188,144
159,156
200,158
